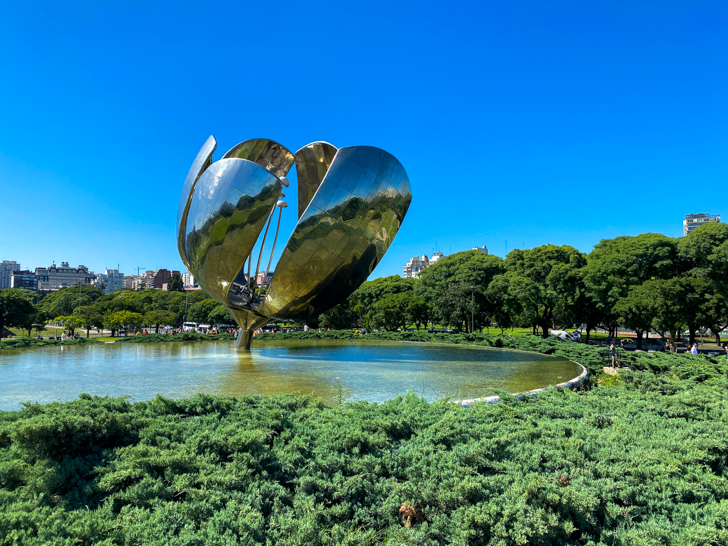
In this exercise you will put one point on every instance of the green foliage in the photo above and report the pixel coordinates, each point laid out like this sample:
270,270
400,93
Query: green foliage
64,301
70,322
168,338
16,309
175,284
641,462
23,342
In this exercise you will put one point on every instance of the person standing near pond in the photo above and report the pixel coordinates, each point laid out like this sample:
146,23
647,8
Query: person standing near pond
613,354
694,350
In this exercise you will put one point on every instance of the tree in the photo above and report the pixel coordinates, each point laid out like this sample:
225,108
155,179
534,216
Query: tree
175,284
16,309
221,315
390,312
112,321
455,288
115,320
637,310
615,265
65,300
339,317
70,322
538,280
90,317
704,252
200,311
158,318
417,311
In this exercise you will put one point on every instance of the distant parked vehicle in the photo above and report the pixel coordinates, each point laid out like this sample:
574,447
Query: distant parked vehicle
562,335
189,326
647,344
453,331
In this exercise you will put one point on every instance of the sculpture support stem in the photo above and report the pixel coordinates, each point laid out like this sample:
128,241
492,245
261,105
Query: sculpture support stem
275,240
262,245
244,340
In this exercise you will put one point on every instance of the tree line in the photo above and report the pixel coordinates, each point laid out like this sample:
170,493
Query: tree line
87,307
647,283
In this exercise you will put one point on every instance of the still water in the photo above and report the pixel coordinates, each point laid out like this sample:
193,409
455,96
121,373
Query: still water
373,371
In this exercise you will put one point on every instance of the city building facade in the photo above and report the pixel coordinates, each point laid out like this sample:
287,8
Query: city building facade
481,248
6,272
415,266
188,281
694,221
24,279
56,277
112,280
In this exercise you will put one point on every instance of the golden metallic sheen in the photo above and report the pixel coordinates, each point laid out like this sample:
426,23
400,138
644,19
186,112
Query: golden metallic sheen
312,164
266,153
352,202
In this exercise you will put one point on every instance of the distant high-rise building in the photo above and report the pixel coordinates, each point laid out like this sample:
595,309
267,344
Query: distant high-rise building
481,248
436,257
413,268
24,279
694,221
188,280
111,279
57,277
6,272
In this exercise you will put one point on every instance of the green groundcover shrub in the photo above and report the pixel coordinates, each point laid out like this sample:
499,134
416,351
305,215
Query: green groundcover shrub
641,462
22,342
169,338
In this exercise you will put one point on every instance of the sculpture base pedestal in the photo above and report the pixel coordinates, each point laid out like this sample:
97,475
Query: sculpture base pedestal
248,323
244,340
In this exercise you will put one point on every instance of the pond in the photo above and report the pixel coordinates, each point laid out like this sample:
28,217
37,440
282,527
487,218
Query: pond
350,370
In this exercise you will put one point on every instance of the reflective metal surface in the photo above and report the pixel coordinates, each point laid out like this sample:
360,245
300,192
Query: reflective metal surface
351,205
266,153
201,162
229,207
342,235
312,164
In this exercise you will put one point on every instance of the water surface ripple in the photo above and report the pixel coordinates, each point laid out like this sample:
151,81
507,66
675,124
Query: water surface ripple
373,371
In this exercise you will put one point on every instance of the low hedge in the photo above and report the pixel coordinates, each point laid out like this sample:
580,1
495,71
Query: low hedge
171,338
21,342
642,463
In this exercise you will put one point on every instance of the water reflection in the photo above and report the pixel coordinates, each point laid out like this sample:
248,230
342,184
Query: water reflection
373,371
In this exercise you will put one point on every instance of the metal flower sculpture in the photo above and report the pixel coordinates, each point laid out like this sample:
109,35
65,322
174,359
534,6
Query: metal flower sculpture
351,203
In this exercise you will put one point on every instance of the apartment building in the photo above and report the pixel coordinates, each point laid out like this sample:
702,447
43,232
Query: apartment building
24,279
694,221
6,272
56,277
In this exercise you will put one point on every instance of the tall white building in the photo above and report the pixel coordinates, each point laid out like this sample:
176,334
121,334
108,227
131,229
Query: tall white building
188,281
6,272
413,268
694,221
111,279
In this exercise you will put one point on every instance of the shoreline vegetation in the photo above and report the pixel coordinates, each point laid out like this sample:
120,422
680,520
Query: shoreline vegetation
641,458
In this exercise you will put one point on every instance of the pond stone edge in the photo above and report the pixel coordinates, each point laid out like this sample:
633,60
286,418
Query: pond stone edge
571,384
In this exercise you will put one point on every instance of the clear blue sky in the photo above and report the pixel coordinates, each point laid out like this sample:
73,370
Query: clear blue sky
535,122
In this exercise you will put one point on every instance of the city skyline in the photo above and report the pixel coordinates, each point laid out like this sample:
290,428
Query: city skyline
577,122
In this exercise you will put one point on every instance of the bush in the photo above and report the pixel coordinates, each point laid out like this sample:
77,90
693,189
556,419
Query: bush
22,342
642,461
168,338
